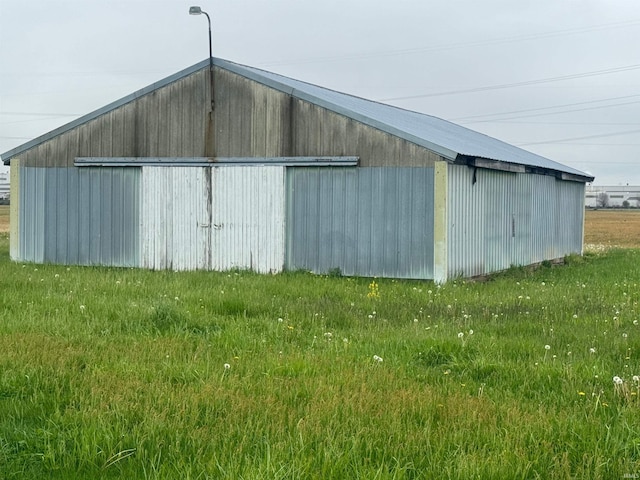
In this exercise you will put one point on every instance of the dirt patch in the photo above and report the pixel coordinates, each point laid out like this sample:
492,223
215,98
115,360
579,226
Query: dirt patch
612,228
4,218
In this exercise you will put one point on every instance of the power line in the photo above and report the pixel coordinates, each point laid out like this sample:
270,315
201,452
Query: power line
584,124
587,137
552,107
451,46
572,76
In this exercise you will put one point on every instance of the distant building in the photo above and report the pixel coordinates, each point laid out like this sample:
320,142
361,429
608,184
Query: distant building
612,197
4,185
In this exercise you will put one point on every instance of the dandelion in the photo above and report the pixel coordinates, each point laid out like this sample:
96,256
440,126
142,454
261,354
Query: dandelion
575,316
460,335
374,291
280,320
470,332
624,335
227,366
582,394
328,335
592,350
617,380
377,359
635,322
82,308
547,347
636,379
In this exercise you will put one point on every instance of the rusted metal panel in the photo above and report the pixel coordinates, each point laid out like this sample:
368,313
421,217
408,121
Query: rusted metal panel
362,221
500,219
175,218
248,218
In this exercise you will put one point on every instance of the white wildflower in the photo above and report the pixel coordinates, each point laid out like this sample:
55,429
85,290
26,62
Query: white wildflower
378,359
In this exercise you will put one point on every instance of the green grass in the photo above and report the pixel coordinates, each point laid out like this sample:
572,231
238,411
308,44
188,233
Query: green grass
120,373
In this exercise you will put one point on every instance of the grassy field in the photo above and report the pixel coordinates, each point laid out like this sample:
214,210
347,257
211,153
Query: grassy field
122,373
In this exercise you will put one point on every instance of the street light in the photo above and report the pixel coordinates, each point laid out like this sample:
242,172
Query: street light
198,11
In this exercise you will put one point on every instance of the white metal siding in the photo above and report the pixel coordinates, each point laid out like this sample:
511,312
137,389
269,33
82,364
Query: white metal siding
217,218
175,218
504,219
248,223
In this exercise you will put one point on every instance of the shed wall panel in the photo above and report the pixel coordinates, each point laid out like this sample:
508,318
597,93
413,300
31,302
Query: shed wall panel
499,219
79,216
175,218
170,121
252,120
364,221
318,131
248,218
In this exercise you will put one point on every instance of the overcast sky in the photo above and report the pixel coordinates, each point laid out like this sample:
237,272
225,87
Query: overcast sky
560,78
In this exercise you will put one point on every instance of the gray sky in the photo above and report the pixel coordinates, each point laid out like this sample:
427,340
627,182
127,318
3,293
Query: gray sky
560,78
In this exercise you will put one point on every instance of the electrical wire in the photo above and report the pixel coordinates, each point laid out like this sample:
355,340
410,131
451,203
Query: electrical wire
572,76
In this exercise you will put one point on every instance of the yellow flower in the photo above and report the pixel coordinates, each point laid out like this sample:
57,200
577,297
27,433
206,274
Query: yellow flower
582,394
373,290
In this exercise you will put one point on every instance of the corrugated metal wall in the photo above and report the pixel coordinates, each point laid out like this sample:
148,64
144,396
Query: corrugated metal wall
79,216
504,219
364,221
213,218
248,222
175,218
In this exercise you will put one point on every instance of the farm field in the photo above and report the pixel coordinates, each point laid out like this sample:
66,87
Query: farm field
618,228
122,373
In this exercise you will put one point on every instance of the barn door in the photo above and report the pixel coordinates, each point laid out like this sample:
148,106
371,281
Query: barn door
247,221
175,218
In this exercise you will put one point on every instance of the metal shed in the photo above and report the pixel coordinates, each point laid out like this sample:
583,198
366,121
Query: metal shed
282,174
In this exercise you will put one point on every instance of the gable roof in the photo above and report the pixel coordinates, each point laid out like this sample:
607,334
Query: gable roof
447,139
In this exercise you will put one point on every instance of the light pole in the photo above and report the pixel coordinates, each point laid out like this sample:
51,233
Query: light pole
198,11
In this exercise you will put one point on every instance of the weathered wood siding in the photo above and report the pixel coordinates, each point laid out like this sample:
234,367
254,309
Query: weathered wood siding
251,120
171,121
318,131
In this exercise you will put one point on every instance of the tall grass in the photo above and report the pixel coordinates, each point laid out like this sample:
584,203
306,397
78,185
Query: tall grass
120,373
